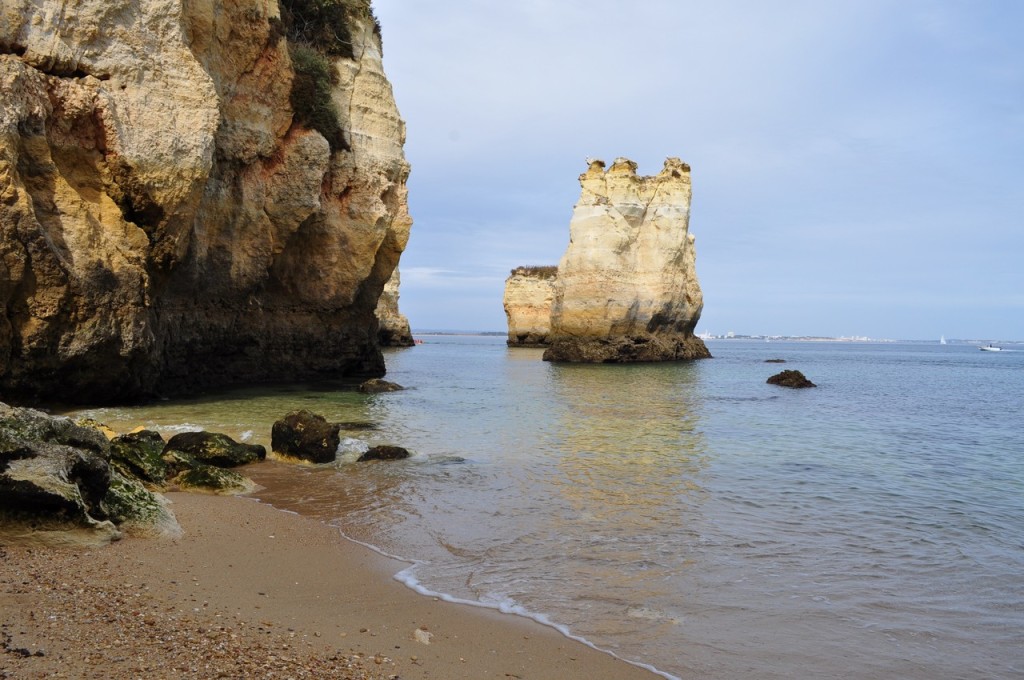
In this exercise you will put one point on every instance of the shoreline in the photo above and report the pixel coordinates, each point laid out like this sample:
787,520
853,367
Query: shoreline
251,588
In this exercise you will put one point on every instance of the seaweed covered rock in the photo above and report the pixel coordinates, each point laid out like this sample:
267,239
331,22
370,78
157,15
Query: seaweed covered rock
211,479
139,454
55,478
136,510
384,452
307,436
790,378
214,448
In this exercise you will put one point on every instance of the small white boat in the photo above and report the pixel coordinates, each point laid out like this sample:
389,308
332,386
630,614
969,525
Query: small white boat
942,340
990,348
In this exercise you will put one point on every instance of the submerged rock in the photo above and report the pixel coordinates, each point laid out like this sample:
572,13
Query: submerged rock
307,436
376,385
790,378
384,452
214,448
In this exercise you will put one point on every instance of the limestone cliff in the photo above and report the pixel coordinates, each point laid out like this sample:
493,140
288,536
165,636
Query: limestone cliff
394,328
627,287
189,198
529,293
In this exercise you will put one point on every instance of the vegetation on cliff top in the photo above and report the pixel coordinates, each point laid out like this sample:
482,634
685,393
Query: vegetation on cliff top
315,76
325,25
543,272
317,31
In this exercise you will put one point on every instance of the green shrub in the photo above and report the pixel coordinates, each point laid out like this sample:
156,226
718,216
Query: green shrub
544,272
311,93
325,24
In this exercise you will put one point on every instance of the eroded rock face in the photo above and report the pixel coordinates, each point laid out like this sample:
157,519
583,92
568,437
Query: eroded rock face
529,294
394,328
627,287
167,222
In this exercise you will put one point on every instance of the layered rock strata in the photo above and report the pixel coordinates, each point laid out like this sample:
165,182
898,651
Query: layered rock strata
529,294
627,288
189,199
394,328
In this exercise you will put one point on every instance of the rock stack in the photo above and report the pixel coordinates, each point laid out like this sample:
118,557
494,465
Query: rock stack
529,292
626,289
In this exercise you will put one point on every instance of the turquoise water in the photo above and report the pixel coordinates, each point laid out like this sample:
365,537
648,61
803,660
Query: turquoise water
689,516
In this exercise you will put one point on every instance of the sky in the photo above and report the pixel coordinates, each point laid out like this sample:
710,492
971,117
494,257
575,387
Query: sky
857,165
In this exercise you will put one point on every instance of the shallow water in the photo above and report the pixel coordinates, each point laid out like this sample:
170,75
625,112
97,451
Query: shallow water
690,516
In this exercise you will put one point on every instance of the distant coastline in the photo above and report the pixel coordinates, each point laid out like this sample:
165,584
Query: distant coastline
760,338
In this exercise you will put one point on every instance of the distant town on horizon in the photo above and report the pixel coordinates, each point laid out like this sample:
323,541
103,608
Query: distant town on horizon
730,335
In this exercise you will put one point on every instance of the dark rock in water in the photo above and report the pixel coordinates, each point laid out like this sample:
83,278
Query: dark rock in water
306,435
384,452
626,349
376,385
790,378
358,425
139,454
214,448
774,361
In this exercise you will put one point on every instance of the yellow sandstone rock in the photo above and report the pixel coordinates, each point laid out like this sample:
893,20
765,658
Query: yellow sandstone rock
168,222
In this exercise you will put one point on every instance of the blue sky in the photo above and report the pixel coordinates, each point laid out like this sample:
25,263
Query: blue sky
858,166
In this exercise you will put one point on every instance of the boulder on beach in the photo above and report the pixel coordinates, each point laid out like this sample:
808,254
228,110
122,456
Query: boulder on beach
307,436
376,385
212,479
136,510
139,454
56,478
214,448
384,452
790,378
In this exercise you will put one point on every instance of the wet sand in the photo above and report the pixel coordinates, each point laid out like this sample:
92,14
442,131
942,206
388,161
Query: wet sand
250,591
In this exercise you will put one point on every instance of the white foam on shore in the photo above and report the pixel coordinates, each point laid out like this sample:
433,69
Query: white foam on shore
505,605
182,427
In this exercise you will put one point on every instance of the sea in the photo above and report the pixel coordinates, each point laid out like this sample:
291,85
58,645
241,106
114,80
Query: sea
687,517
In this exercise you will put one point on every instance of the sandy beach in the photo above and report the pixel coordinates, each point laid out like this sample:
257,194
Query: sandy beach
250,591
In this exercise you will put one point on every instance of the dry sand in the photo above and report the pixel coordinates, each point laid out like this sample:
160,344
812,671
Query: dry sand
253,592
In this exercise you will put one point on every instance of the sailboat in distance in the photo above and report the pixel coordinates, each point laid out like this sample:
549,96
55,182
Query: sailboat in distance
942,340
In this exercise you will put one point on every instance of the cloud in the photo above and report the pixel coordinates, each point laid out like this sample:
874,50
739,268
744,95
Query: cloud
873,143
